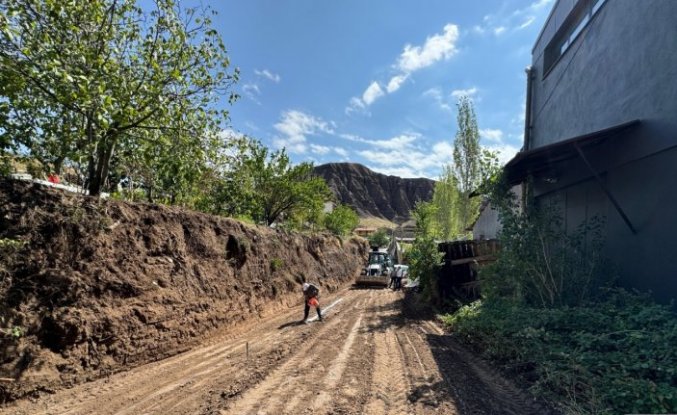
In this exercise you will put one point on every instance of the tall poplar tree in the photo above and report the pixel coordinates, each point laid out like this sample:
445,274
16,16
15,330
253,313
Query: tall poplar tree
467,158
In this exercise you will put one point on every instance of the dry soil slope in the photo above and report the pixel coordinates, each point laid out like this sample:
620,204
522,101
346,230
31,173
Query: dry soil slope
102,286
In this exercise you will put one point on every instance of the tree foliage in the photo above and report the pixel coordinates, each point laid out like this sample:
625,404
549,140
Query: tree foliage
82,80
424,257
341,220
541,264
447,200
251,181
473,165
467,149
379,238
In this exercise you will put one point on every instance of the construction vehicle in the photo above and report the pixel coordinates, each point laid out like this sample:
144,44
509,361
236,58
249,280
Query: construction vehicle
377,270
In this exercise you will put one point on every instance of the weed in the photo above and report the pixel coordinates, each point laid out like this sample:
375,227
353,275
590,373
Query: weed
8,245
612,356
276,264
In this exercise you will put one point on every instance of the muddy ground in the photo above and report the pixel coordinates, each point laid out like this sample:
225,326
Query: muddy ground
370,356
89,288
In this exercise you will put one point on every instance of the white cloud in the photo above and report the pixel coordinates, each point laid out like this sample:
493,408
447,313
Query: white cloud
436,47
469,92
395,83
400,141
353,137
356,105
295,126
436,95
518,19
494,135
268,75
372,93
529,20
505,152
341,151
401,156
324,150
318,149
228,133
252,91
540,4
252,88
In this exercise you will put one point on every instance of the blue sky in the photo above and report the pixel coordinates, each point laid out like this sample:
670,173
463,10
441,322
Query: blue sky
376,82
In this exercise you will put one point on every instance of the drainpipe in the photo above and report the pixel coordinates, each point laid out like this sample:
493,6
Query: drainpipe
527,116
527,130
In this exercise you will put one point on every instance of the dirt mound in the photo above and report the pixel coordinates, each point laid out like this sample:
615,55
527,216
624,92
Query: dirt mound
90,287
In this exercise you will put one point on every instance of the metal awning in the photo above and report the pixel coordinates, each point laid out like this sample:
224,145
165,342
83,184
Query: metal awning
531,162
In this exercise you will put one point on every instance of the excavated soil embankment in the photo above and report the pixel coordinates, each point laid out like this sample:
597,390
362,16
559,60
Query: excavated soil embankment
95,287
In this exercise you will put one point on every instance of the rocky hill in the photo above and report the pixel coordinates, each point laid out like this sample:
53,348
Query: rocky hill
375,194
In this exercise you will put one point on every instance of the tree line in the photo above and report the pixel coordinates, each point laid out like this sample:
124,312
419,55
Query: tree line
120,93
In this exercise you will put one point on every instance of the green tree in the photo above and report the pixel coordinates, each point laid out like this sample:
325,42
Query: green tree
467,154
424,258
341,220
446,202
379,238
87,78
249,180
282,188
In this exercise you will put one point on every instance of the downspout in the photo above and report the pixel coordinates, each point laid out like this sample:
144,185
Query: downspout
527,128
527,116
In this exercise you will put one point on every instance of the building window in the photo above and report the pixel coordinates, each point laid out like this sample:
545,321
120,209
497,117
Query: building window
574,24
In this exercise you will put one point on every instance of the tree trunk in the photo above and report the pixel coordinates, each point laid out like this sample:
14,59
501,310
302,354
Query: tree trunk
99,165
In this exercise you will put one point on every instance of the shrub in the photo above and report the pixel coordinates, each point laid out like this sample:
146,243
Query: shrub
341,220
614,356
424,257
540,264
379,238
276,264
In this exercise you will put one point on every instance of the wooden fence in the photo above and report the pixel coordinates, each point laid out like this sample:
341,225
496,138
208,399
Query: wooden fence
462,260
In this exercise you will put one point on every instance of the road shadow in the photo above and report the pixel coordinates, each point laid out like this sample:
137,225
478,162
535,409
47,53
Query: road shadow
367,287
475,384
290,324
396,314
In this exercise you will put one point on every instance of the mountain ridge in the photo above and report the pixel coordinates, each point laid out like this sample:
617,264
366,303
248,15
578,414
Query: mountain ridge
374,194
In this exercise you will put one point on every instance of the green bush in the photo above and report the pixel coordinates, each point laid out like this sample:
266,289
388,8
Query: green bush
276,264
424,257
379,238
614,356
541,263
341,220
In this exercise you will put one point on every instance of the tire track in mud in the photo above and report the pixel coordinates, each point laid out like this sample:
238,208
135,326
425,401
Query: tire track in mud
292,384
493,393
366,358
389,384
183,383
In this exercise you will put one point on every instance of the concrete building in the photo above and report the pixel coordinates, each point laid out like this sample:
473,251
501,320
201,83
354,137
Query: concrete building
601,129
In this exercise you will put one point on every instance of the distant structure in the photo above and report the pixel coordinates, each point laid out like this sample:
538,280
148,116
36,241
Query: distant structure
364,231
601,130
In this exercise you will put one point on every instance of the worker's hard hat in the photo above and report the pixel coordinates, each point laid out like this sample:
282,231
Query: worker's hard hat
305,286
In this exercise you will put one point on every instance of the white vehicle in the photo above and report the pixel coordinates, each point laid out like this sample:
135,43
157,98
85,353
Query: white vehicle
377,270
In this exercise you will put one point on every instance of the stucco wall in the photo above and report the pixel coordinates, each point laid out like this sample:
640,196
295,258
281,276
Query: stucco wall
622,67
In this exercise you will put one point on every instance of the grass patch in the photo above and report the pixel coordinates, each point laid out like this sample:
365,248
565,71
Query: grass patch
615,356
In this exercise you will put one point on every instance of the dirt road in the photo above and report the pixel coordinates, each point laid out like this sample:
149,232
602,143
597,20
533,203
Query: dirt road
367,357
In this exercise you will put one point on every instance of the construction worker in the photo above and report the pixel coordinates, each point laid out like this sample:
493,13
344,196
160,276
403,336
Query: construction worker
310,294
